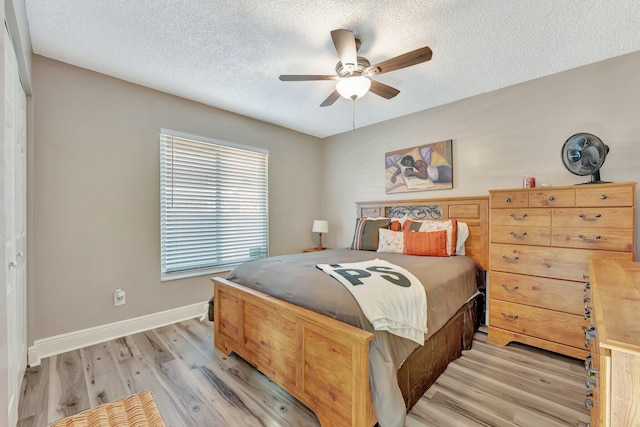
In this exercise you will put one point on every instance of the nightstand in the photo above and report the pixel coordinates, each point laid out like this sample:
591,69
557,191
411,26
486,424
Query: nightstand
315,249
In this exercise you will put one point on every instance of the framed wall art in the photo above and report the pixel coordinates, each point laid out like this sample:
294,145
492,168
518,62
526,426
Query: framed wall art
421,168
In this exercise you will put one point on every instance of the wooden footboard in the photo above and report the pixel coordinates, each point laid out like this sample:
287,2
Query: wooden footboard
321,361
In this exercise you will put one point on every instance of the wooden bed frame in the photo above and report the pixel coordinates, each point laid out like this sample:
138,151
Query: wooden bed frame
321,361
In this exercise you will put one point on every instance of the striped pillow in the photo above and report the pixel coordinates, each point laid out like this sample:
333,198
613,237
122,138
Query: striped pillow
426,243
365,236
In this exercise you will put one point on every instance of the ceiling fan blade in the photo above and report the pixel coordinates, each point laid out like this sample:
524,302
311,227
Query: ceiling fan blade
383,90
408,59
330,99
345,43
303,78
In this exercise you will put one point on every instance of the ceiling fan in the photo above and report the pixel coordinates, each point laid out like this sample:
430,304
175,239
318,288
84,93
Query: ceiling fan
354,72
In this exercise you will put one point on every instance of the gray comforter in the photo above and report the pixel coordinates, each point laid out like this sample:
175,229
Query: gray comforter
449,282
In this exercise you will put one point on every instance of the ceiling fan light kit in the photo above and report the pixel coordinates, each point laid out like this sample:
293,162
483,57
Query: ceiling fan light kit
353,87
354,72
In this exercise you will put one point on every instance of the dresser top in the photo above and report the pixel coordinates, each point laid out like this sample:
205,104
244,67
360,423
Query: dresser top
616,298
564,187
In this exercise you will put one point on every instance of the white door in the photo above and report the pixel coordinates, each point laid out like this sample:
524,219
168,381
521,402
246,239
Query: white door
15,228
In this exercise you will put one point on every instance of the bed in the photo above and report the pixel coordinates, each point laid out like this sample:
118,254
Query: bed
325,362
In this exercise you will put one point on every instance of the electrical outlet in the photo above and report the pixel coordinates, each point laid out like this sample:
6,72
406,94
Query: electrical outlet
119,297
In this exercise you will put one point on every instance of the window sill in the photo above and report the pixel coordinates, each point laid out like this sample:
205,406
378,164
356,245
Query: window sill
195,273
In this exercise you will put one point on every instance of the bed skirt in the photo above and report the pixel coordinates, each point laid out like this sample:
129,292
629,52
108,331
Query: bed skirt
423,367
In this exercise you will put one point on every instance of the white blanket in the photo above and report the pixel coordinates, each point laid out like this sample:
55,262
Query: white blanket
390,296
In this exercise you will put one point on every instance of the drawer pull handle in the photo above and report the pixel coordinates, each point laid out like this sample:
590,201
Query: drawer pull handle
585,276
591,372
584,217
508,289
587,286
518,219
594,240
508,200
589,335
586,299
590,382
551,198
587,315
588,403
603,197
518,236
507,259
510,318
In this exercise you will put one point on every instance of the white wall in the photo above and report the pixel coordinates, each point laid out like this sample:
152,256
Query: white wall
496,136
94,218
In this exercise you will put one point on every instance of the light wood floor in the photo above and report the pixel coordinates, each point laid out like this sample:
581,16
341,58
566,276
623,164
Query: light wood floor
193,384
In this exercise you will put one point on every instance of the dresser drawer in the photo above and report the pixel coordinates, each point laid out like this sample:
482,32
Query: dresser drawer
553,294
605,196
593,217
557,263
521,235
552,198
537,322
532,217
606,239
509,199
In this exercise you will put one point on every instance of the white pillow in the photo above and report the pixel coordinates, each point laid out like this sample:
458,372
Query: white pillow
433,225
390,241
463,235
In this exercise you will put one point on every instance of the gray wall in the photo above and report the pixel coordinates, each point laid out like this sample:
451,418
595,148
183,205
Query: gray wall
496,136
94,201
95,198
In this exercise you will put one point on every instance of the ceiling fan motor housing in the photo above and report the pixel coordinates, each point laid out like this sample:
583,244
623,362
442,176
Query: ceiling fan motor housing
363,64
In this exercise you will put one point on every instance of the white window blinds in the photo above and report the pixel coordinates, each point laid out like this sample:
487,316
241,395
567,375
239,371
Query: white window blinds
213,204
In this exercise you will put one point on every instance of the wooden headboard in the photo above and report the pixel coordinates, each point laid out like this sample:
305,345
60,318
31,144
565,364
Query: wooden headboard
472,210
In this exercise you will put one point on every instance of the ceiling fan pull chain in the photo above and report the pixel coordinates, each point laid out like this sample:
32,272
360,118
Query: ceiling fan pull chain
353,104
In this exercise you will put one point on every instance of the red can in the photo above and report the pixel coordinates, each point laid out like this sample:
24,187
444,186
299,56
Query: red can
528,182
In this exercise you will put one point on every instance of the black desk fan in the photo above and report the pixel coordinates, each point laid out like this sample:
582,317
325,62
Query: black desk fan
583,154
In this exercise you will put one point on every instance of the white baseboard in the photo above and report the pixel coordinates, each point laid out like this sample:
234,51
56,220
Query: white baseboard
58,344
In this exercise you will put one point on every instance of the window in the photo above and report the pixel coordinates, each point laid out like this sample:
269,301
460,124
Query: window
213,205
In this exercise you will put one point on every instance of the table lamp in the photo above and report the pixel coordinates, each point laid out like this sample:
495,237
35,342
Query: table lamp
320,226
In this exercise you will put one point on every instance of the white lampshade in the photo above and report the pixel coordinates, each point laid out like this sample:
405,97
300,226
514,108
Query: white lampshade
320,226
353,87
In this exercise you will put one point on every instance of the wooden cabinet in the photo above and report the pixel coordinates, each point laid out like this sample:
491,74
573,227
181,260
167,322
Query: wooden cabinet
541,243
613,366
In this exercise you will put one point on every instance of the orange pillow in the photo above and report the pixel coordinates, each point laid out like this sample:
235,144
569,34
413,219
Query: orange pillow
451,225
430,243
395,226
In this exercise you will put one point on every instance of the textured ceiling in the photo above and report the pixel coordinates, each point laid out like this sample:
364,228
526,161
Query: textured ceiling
229,54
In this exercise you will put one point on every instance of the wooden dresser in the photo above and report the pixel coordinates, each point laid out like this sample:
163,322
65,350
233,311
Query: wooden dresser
541,242
613,368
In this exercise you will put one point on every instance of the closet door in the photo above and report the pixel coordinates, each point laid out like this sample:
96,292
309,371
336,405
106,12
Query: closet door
15,228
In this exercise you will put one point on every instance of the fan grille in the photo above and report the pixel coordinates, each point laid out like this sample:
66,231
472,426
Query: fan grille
584,154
